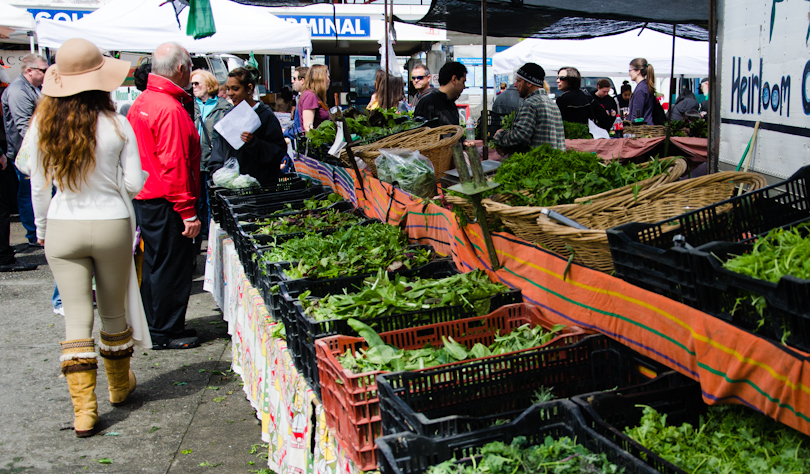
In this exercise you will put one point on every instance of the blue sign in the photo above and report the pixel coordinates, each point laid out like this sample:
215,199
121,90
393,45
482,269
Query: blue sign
58,15
327,26
474,61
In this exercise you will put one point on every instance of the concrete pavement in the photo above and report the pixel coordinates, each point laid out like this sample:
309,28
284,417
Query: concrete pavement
188,414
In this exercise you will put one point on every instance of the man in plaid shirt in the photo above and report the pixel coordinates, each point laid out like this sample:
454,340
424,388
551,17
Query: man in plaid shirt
538,120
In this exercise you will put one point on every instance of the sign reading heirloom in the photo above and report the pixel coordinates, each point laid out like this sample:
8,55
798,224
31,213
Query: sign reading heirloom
764,77
324,26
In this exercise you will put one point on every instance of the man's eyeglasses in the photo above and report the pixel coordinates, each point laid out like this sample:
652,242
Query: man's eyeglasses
40,69
418,78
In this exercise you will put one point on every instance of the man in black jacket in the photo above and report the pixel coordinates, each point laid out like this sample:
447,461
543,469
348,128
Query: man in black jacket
439,107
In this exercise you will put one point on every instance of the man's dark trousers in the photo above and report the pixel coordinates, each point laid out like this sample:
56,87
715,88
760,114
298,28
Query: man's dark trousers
6,252
166,281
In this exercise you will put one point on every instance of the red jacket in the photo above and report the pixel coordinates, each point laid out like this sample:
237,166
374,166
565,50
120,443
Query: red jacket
168,144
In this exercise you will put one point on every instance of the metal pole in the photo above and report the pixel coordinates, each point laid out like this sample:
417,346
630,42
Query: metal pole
671,82
385,83
714,94
484,128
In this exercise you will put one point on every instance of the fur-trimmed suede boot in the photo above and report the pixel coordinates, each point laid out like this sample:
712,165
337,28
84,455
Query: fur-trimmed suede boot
116,349
79,364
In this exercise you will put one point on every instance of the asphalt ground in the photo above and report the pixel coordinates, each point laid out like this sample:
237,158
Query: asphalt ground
187,415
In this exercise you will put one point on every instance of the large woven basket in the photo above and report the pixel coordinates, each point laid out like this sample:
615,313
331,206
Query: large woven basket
590,247
645,131
522,220
428,141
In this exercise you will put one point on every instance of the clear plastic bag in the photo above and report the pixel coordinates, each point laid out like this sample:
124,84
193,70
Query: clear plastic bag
228,176
409,170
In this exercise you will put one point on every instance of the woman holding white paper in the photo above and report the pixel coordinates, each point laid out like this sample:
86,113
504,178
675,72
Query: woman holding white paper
264,148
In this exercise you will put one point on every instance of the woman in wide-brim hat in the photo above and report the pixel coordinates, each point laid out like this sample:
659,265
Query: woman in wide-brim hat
79,143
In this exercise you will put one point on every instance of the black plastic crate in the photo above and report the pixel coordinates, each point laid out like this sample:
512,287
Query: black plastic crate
309,329
258,203
409,453
285,302
286,182
645,255
727,295
296,207
609,413
440,402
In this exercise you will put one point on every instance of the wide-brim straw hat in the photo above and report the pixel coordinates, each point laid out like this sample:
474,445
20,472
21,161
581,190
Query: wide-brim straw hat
81,67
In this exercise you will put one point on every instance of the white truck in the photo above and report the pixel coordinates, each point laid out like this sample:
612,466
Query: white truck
764,76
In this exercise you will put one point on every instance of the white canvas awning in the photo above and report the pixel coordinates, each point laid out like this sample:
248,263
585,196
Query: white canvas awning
15,20
608,55
142,25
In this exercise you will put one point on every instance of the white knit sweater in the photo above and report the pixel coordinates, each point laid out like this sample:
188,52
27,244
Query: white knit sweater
98,198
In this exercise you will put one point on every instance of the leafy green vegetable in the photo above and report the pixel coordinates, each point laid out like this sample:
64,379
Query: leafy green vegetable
306,221
508,120
574,131
380,356
690,128
377,124
346,252
557,456
546,176
408,171
730,439
381,296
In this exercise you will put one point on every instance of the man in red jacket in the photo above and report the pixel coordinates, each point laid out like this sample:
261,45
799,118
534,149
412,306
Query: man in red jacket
170,152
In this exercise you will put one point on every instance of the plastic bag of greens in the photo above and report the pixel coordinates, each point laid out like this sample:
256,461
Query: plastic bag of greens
408,170
224,176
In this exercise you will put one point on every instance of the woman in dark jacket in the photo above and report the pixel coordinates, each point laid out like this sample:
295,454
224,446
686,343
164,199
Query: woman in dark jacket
687,102
264,149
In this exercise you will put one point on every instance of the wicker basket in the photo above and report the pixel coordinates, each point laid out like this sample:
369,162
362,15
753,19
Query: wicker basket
652,205
645,131
522,220
427,141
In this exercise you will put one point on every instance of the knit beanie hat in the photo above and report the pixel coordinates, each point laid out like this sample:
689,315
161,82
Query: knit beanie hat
532,73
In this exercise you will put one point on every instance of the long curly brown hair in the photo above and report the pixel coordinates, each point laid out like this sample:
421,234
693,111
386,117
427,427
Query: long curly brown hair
67,135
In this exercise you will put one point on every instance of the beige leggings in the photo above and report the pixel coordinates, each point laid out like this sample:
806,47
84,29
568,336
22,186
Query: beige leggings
76,250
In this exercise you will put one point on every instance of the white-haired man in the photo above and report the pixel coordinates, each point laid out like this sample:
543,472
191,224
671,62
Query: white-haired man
169,147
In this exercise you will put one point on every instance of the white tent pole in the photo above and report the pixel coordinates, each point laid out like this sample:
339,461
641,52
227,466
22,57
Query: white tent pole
31,41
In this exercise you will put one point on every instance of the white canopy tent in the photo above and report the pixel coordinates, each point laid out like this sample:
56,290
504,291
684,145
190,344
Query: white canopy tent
142,25
608,55
15,23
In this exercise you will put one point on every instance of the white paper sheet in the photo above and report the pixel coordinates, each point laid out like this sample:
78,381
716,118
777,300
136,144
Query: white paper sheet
241,119
597,131
340,141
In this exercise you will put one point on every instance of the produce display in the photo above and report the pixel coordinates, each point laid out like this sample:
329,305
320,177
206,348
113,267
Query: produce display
554,456
380,356
381,296
310,204
690,128
347,252
306,221
576,131
550,177
508,120
730,439
781,252
369,128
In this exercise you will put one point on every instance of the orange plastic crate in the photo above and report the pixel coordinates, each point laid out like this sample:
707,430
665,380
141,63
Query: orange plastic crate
350,400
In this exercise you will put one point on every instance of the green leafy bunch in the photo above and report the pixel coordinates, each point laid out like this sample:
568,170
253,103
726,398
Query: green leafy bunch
730,439
306,221
690,128
382,296
311,204
377,124
348,251
381,356
508,120
553,456
574,131
545,176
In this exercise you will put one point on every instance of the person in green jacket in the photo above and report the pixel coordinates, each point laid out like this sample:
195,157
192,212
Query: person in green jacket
208,110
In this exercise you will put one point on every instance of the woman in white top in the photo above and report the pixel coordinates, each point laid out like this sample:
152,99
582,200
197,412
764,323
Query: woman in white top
80,144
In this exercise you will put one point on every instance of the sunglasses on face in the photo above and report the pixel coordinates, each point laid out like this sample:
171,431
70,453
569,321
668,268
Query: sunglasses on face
195,83
39,69
418,78
562,78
